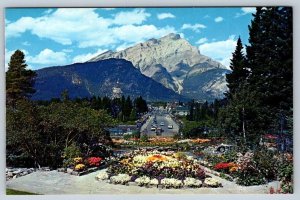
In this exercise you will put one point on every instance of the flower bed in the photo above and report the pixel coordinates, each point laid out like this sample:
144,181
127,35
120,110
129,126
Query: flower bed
153,168
158,141
81,166
252,167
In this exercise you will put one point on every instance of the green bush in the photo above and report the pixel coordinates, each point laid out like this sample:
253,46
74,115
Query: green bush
144,138
230,156
70,153
248,178
266,164
127,136
285,171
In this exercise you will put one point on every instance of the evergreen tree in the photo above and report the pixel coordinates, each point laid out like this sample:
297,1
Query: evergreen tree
141,105
19,80
239,72
127,107
269,57
191,116
133,115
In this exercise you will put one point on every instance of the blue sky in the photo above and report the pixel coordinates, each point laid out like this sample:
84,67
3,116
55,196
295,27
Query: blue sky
52,37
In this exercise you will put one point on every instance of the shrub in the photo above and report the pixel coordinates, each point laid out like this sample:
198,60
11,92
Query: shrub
248,173
248,178
285,171
144,138
70,153
265,163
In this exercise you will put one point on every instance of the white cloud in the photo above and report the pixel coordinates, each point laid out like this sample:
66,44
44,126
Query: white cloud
85,57
206,16
181,35
201,40
219,19
15,29
48,11
137,16
140,33
220,50
249,10
165,16
48,57
245,11
67,50
67,26
26,43
195,27
107,8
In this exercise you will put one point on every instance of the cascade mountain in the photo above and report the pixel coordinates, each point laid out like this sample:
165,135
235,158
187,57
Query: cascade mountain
175,63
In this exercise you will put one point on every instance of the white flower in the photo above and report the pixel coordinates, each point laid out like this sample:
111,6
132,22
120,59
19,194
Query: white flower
102,175
184,141
190,158
211,182
153,181
171,182
144,180
120,179
192,182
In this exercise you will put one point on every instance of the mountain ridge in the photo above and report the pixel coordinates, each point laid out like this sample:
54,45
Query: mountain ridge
171,61
98,79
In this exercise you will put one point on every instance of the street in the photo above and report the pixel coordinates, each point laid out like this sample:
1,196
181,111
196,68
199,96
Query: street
161,117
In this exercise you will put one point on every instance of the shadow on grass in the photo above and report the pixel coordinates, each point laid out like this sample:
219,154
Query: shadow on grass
17,192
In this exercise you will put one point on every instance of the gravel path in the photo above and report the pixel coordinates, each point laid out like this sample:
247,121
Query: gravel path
53,182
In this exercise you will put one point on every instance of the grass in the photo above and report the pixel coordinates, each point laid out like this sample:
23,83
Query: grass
17,192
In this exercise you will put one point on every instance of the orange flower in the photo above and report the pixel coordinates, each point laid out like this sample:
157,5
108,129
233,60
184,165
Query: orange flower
232,164
199,140
157,158
233,169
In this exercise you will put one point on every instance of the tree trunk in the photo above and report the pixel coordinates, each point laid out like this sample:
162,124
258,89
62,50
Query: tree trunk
244,131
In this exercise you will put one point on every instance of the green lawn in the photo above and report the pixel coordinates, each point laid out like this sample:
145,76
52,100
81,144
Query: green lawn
16,192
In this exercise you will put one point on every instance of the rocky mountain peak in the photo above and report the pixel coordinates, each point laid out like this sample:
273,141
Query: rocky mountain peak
171,36
168,60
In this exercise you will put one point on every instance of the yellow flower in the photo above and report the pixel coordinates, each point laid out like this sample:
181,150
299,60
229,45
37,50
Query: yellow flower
78,160
79,167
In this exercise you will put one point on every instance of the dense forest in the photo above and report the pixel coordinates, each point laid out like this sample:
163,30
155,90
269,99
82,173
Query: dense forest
260,95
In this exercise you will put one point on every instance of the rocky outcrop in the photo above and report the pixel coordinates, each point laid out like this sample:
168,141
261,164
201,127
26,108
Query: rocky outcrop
171,61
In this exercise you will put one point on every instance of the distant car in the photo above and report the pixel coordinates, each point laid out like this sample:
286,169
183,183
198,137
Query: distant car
159,131
153,128
222,148
170,127
162,123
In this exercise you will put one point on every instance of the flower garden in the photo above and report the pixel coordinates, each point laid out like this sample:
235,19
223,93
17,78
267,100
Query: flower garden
166,169
190,163
252,167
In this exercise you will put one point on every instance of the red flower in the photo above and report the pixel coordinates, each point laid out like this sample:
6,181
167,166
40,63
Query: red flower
221,165
94,161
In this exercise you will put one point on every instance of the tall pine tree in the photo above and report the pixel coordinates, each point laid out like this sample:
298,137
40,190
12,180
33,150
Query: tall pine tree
237,78
269,57
19,80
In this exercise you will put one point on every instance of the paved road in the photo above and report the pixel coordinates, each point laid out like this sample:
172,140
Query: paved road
54,182
166,119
